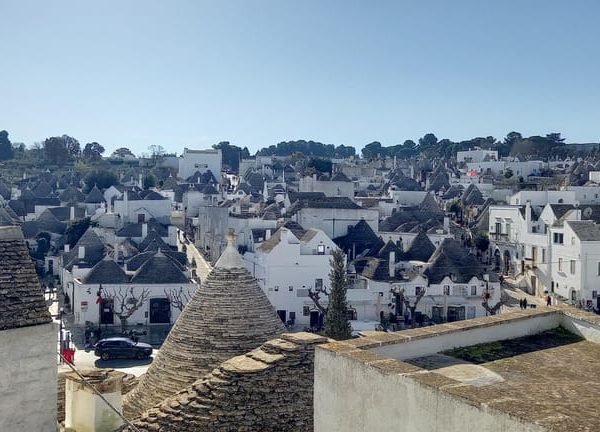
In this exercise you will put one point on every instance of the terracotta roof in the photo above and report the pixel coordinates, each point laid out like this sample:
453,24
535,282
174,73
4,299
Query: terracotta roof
21,299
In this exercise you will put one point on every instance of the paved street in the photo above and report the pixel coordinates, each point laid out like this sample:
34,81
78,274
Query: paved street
203,267
85,360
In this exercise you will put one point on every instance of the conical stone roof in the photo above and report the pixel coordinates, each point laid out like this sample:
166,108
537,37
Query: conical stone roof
227,316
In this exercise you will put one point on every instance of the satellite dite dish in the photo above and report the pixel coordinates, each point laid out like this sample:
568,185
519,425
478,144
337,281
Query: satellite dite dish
587,212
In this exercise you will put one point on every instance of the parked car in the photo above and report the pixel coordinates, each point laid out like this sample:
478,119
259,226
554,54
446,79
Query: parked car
123,347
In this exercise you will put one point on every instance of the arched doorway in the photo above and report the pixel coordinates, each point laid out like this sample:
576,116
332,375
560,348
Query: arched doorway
497,260
506,262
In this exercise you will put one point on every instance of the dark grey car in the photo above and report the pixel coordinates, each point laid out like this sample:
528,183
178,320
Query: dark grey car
121,347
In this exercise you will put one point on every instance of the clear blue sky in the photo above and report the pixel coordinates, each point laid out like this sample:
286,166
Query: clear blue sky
192,73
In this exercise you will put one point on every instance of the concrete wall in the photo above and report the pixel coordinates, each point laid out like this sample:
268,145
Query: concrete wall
470,336
354,396
28,379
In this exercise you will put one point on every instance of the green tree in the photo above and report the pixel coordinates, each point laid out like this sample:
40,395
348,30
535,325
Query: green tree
149,181
428,140
508,173
60,149
482,242
93,151
122,153
231,154
373,150
76,229
337,325
101,178
6,148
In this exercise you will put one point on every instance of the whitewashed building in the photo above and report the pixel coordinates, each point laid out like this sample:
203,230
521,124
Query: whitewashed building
202,161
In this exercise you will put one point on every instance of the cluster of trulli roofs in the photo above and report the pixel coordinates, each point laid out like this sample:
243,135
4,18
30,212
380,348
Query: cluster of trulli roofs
414,227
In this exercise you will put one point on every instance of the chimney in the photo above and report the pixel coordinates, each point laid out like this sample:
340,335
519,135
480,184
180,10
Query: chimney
528,213
268,234
140,181
81,252
67,247
72,214
392,264
144,230
84,408
314,177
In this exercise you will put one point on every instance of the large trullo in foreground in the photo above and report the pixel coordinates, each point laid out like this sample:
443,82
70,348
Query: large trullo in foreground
227,316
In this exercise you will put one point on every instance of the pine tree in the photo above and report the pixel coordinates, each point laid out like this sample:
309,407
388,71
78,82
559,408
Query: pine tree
337,325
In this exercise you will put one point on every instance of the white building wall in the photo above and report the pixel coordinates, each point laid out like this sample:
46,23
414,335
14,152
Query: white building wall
86,309
200,160
329,188
28,378
335,222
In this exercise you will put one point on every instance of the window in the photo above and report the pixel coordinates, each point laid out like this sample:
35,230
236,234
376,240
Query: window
543,255
302,292
447,287
558,238
276,287
419,290
560,264
291,288
473,290
321,249
305,311
572,266
292,316
318,284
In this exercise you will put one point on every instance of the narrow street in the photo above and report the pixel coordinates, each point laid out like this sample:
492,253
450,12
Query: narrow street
203,267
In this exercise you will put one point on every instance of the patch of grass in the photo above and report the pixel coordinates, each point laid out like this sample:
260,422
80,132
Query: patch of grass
487,352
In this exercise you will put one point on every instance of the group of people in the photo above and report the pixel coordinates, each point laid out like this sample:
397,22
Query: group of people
523,302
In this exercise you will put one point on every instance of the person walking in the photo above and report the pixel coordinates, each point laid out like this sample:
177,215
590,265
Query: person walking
520,303
548,300
524,303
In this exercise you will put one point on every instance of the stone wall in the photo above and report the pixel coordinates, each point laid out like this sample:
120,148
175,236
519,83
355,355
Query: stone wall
269,388
129,382
28,378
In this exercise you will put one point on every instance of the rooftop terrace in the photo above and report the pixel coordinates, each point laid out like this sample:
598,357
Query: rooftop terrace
535,370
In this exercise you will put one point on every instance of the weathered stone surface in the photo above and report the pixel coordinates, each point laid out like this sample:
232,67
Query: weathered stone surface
242,395
21,298
228,315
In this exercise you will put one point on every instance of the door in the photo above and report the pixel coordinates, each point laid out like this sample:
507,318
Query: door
141,218
315,319
106,311
437,314
456,313
160,311
282,315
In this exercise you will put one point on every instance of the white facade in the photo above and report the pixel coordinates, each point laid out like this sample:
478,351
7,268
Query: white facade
543,197
86,308
406,198
477,155
28,397
329,188
292,267
200,160
143,210
575,267
335,221
519,169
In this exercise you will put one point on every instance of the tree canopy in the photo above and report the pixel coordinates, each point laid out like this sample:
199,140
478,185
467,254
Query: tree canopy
59,149
6,149
93,151
101,178
309,148
232,154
